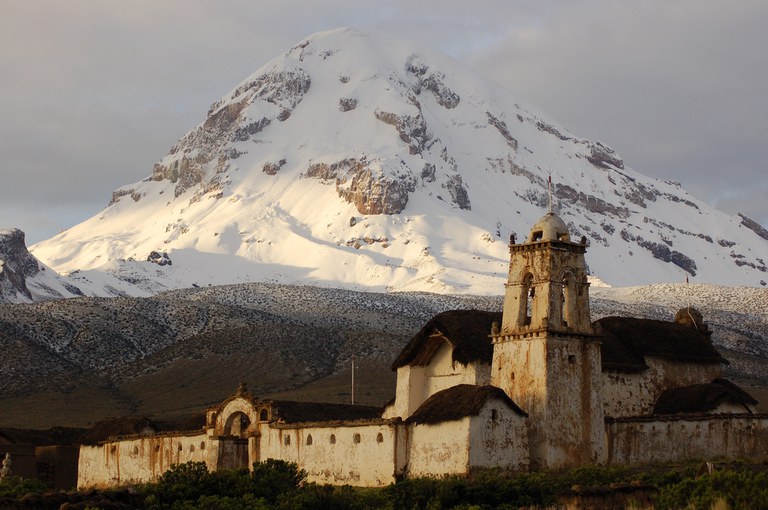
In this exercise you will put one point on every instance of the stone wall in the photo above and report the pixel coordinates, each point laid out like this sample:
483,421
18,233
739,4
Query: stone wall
659,439
627,394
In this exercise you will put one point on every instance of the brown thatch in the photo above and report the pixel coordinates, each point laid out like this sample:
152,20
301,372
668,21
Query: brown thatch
466,330
458,402
702,398
626,342
184,423
111,428
56,436
288,411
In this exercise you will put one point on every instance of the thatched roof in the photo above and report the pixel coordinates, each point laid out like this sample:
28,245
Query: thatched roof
288,411
111,428
702,398
56,436
458,402
466,330
627,341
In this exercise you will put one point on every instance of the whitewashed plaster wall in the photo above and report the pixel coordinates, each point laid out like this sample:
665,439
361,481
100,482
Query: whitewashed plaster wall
636,394
640,440
415,384
141,459
360,455
498,438
439,449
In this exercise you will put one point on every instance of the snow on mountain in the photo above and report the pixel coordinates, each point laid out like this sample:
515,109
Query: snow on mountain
360,160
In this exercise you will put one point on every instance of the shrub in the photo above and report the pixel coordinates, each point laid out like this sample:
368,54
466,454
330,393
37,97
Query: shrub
16,486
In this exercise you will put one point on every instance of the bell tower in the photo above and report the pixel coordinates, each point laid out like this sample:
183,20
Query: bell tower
546,355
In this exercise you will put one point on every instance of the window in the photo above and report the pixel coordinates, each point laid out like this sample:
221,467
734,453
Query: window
179,446
572,359
157,448
379,437
135,450
264,415
333,439
309,439
287,440
527,293
356,438
202,446
191,448
494,414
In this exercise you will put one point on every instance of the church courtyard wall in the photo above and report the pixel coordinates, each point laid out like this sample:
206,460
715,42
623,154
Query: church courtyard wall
343,454
689,437
141,459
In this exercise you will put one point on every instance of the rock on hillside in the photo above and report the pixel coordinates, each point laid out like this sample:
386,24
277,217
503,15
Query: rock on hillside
23,278
363,161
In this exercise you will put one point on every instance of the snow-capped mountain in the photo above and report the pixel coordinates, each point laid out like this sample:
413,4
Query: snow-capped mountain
360,160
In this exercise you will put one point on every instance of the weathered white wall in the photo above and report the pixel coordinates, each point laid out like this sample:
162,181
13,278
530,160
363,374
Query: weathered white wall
556,380
501,442
439,449
442,373
416,384
370,462
639,440
141,459
635,394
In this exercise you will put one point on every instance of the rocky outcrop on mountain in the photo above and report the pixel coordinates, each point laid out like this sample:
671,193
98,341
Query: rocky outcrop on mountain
754,226
362,183
431,80
207,150
16,264
161,259
412,128
23,278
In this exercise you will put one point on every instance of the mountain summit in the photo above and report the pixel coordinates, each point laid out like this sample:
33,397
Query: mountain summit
361,160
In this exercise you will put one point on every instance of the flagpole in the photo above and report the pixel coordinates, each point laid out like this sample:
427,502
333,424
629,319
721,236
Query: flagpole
353,379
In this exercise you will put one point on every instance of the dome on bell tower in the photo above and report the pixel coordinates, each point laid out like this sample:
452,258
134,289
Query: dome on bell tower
550,227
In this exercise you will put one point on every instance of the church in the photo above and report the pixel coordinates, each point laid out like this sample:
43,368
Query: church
537,386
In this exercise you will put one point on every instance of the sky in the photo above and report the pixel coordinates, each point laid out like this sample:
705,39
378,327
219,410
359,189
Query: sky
93,93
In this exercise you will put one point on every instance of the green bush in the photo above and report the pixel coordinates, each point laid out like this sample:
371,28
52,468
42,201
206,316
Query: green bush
739,489
16,487
190,485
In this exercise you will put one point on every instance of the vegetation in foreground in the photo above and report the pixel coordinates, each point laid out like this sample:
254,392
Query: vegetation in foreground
280,485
